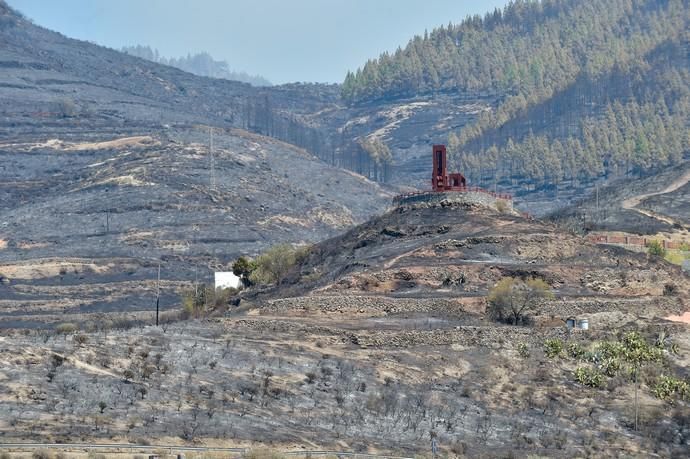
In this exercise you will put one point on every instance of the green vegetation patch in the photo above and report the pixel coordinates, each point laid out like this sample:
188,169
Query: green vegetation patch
605,360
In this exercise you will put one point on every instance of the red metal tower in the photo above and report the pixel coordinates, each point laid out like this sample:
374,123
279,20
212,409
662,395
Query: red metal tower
440,179
439,176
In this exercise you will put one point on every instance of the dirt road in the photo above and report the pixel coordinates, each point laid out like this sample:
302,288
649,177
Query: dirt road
633,202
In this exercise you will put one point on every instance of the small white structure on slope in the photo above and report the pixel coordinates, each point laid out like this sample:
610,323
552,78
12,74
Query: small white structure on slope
227,280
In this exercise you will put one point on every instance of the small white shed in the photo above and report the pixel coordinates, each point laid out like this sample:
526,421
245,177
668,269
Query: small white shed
227,280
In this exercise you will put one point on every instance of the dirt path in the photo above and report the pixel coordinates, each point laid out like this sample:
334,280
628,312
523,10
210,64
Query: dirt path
633,202
83,365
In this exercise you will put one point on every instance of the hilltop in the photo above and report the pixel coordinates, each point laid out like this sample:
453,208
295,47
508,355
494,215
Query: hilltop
460,250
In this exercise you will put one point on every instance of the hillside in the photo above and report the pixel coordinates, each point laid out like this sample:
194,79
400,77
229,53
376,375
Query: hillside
84,223
455,250
598,92
657,204
380,340
54,83
395,324
575,92
105,170
634,213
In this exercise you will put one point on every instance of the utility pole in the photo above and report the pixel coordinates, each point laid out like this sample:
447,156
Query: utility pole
213,162
158,292
637,405
598,215
196,282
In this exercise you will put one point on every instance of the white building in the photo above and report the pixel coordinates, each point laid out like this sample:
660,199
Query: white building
227,280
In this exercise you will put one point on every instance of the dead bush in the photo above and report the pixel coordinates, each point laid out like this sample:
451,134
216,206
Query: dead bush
67,108
263,453
42,454
66,328
501,206
670,289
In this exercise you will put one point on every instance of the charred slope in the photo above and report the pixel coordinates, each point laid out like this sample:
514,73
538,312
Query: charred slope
84,224
54,83
50,81
452,250
650,205
106,169
405,295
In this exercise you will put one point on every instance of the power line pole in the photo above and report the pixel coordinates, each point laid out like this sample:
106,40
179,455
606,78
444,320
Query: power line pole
213,162
158,292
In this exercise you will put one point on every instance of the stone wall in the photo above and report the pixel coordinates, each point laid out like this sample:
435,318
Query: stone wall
480,197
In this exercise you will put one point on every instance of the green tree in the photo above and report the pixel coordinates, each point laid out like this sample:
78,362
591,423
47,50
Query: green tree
273,265
243,267
655,248
511,298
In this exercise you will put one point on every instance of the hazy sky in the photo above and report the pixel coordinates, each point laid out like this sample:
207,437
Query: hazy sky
282,40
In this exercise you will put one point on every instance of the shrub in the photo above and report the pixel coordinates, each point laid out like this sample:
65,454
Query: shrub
501,206
194,301
243,268
66,328
67,108
655,248
202,299
610,366
511,298
81,339
589,377
670,289
669,386
553,348
42,454
56,360
607,350
638,351
575,350
273,266
523,350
